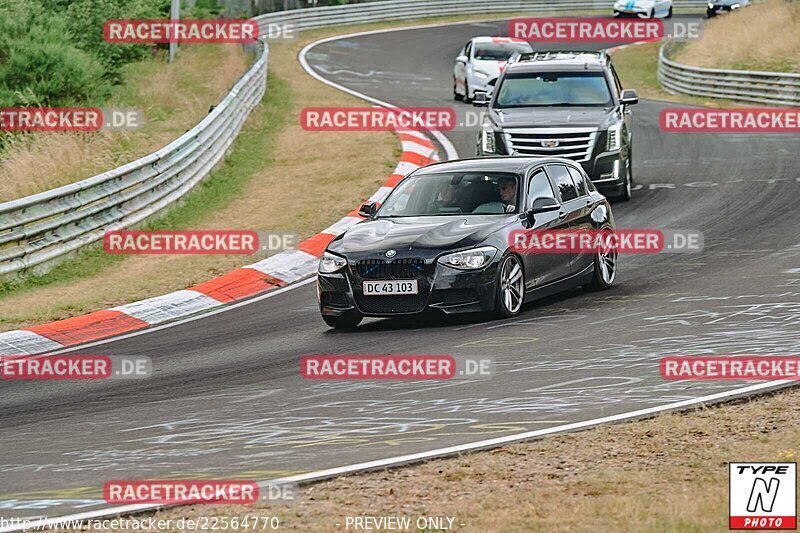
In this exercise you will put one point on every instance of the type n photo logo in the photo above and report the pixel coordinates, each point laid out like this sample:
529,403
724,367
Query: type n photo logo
763,496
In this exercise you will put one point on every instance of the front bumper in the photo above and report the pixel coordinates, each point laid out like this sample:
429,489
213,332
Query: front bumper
632,12
717,10
481,85
607,171
442,288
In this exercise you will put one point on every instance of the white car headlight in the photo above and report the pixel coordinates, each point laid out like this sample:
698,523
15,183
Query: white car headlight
736,6
481,74
711,5
614,137
470,259
330,263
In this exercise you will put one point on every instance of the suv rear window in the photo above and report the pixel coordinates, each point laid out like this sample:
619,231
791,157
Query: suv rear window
533,89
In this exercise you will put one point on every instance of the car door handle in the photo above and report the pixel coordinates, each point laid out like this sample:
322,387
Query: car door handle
588,201
562,215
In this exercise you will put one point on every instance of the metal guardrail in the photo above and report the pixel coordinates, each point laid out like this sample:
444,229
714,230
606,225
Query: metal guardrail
773,88
43,227
385,10
37,230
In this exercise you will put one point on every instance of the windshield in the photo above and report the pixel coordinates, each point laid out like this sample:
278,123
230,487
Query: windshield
499,51
453,194
528,89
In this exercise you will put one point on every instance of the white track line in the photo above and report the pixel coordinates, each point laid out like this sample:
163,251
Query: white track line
433,454
416,457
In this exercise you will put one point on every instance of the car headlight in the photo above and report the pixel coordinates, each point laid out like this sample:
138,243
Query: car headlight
481,74
470,259
711,5
330,263
487,138
614,137
736,6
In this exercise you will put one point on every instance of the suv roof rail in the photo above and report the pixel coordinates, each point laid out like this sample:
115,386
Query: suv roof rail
550,55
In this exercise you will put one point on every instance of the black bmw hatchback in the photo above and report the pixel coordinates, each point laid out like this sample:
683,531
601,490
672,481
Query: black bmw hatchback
443,239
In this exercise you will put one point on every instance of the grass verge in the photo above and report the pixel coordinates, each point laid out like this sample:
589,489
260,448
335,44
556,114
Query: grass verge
667,474
762,36
637,67
280,178
173,98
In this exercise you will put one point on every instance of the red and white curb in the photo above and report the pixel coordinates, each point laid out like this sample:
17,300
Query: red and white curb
266,275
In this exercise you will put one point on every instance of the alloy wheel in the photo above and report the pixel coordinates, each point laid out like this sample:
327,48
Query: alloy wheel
607,261
512,284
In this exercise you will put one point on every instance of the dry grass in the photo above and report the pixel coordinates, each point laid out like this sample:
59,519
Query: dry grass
303,182
763,36
173,100
660,475
638,69
330,172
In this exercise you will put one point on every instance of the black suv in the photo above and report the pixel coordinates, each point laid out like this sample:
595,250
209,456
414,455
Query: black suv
563,104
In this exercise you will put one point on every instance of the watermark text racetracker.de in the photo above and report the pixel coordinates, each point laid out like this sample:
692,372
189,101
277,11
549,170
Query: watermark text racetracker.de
74,367
623,241
137,524
377,118
746,120
219,242
74,119
395,367
600,30
736,367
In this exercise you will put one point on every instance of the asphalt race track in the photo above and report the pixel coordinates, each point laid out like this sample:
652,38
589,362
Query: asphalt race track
227,399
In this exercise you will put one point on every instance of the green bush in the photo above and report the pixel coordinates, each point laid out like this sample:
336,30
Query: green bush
38,65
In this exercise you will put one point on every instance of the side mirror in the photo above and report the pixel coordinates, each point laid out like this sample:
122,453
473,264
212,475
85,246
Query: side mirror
544,205
462,59
368,209
480,99
629,97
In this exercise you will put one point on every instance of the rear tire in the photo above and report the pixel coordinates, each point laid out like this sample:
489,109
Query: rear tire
509,287
605,268
349,320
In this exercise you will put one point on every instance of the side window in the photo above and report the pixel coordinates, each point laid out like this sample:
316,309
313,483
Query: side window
579,180
539,187
468,50
563,182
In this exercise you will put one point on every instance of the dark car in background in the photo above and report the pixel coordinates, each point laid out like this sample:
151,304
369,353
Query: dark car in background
563,104
718,7
441,240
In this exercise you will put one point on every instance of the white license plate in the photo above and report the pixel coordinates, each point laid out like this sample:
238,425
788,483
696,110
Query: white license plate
390,288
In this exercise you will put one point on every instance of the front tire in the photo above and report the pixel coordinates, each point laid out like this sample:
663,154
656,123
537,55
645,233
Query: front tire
627,190
605,267
669,13
349,320
509,287
456,96
467,98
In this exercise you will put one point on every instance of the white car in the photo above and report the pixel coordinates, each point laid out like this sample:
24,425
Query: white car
643,8
480,62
